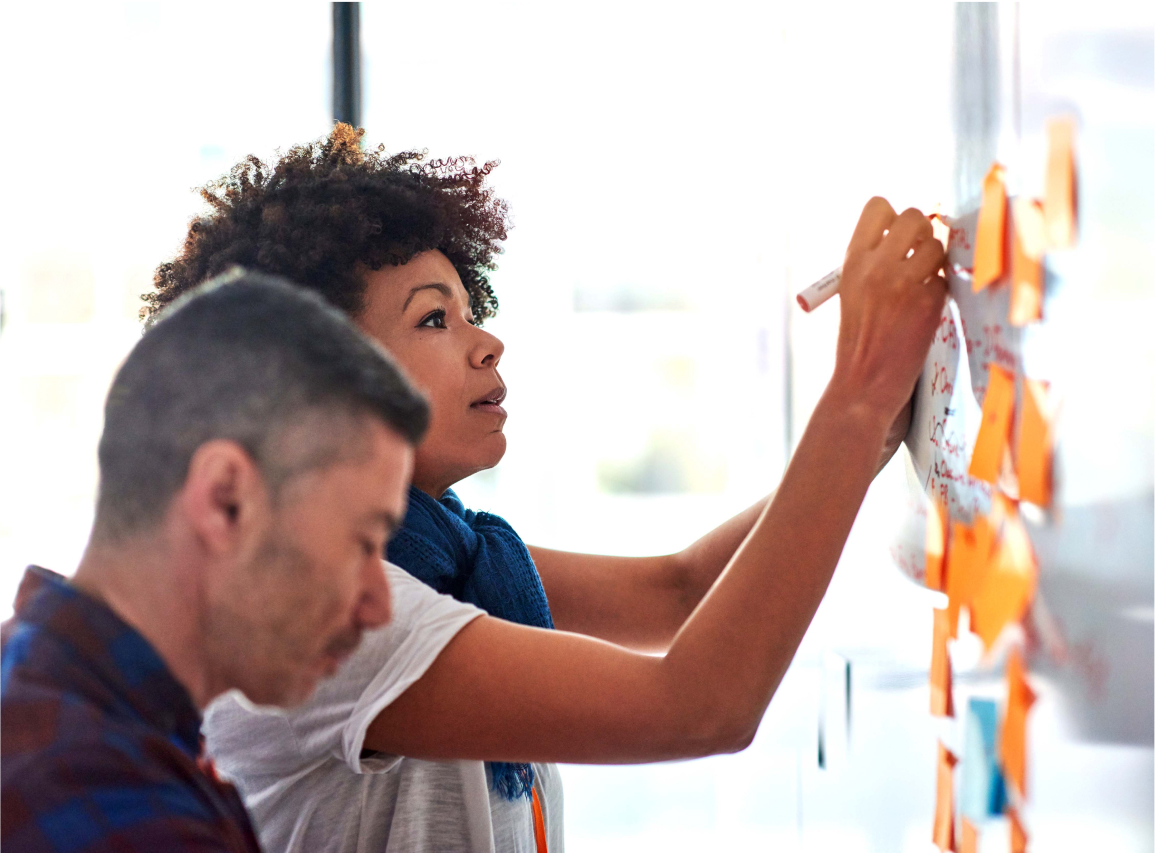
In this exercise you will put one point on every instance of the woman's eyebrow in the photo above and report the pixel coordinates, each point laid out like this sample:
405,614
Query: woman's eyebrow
436,285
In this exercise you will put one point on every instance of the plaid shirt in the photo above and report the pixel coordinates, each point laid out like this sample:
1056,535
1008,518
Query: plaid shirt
100,744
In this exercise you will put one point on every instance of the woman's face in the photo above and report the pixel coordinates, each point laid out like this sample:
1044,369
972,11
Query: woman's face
420,313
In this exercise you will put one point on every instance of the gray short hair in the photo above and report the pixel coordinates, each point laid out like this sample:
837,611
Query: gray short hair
246,357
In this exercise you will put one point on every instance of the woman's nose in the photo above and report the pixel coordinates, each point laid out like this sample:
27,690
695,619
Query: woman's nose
487,350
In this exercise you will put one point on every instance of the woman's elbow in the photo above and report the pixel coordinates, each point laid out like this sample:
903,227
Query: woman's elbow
705,719
715,731
734,737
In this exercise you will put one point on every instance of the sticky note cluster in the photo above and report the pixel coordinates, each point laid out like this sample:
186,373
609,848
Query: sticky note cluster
1012,238
989,569
986,564
1017,423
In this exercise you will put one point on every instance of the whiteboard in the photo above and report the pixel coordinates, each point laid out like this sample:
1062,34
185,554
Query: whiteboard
1096,545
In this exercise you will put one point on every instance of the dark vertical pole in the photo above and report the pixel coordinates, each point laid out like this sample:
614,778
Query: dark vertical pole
347,63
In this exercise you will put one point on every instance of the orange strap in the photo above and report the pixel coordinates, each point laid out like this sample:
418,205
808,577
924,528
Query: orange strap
539,825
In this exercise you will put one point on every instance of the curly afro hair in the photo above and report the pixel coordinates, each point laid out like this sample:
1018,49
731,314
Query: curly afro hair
327,210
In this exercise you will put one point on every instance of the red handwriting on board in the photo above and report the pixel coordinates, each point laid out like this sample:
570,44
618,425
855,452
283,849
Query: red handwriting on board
944,471
939,383
954,449
945,328
937,430
990,345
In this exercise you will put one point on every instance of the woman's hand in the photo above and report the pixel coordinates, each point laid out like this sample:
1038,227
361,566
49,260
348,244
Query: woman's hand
892,296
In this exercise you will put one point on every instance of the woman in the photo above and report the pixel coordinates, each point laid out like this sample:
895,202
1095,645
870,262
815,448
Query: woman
406,249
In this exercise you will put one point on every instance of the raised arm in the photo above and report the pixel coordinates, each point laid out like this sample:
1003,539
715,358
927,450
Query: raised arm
506,692
641,602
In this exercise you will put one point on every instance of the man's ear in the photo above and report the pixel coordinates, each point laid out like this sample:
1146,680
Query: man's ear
224,498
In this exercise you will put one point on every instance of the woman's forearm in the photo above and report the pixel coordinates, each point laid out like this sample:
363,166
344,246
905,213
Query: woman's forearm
734,650
695,568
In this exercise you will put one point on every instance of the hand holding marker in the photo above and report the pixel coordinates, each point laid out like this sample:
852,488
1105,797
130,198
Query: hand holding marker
827,286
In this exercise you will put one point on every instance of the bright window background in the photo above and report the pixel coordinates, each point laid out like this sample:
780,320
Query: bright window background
114,113
675,174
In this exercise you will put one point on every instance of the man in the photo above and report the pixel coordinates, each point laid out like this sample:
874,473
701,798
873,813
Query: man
254,461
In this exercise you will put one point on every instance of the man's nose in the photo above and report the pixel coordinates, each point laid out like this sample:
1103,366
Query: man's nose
377,600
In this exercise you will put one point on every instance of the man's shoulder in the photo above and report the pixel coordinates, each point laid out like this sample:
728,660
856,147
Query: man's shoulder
50,698
73,778
98,787
54,738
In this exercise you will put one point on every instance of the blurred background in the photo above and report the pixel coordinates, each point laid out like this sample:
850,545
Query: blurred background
676,172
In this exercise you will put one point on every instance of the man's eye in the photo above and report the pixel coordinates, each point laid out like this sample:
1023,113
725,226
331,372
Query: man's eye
434,320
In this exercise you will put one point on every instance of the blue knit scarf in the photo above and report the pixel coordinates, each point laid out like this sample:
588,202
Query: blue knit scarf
478,558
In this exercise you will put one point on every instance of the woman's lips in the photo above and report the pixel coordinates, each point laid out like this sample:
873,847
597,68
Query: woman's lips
491,402
491,408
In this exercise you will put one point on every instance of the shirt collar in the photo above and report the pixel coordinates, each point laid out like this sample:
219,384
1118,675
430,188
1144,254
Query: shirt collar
112,652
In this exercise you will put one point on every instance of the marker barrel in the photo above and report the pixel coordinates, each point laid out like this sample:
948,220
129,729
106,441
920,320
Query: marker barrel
820,291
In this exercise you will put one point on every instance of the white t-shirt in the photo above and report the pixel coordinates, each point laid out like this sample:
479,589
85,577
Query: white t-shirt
307,787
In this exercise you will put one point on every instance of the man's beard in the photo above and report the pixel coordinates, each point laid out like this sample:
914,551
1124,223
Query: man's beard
256,638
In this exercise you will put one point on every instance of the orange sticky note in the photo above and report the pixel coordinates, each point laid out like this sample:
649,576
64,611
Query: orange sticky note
1013,743
1060,203
995,429
1035,447
1018,834
1029,246
936,520
941,692
969,843
1008,584
990,233
970,550
944,802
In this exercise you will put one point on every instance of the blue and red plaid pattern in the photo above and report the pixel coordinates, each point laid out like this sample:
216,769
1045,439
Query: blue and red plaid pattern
99,744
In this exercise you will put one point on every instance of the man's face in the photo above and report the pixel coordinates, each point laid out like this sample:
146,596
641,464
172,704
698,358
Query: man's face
295,605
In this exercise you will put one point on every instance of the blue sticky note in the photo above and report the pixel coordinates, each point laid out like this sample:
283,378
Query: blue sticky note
982,792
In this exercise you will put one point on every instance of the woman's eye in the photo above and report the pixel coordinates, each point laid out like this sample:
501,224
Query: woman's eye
435,320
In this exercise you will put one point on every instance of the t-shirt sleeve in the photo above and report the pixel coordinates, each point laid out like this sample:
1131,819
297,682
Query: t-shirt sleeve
388,661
